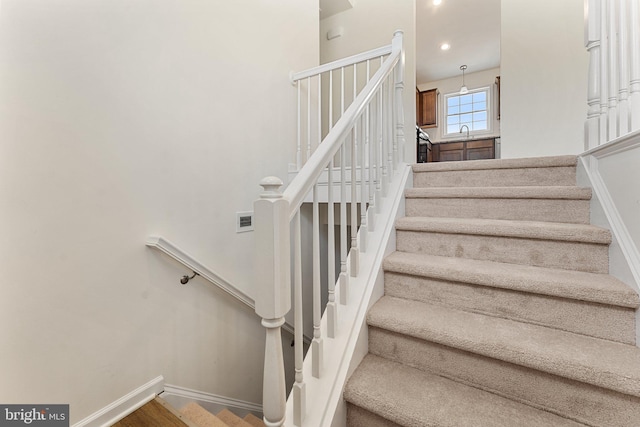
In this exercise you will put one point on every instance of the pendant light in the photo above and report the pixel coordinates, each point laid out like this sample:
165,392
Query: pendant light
463,89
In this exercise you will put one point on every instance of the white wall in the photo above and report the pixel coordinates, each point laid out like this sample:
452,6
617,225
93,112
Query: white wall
485,78
544,77
119,120
371,24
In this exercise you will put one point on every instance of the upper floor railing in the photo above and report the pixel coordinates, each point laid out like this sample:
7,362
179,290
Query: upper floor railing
612,38
368,139
323,94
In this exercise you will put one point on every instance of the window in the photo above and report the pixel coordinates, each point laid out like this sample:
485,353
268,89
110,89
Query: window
471,109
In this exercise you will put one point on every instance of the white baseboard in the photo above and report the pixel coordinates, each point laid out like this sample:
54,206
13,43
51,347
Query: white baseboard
122,407
179,396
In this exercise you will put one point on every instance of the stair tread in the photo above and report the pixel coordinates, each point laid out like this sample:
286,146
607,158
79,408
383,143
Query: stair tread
602,363
253,420
528,192
231,419
200,416
583,286
532,162
412,397
539,230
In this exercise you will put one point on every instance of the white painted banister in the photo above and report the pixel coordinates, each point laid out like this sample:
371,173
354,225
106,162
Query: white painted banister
365,144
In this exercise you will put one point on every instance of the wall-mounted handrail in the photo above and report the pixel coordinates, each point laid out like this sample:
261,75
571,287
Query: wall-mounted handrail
170,249
194,265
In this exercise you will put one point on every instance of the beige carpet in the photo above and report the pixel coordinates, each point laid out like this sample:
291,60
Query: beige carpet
498,307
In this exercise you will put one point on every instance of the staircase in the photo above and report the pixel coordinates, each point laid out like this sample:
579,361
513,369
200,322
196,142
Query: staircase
498,307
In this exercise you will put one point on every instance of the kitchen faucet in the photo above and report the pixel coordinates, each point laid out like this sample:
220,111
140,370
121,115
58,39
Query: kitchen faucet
465,126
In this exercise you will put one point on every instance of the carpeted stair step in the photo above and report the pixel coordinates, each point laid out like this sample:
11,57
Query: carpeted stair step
385,393
551,171
591,380
597,305
544,244
534,203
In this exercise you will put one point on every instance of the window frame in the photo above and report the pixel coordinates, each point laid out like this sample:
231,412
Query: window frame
445,115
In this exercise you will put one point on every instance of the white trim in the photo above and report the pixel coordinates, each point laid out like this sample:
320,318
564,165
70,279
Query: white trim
178,396
621,144
189,261
122,407
618,228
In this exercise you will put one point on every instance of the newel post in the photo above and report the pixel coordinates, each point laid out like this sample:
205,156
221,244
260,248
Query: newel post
398,151
273,298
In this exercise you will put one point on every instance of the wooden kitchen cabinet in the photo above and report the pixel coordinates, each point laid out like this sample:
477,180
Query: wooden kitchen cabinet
427,108
476,149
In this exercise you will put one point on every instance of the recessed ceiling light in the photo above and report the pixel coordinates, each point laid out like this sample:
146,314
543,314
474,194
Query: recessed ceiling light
437,2
444,46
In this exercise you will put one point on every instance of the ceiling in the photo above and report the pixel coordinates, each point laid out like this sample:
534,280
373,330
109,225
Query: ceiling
471,27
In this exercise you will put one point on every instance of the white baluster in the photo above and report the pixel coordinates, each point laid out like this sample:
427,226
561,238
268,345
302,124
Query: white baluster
344,278
299,387
355,253
380,150
308,118
385,139
319,109
363,188
332,313
299,144
624,118
371,217
603,125
316,343
634,59
330,100
593,42
341,91
390,126
273,291
613,70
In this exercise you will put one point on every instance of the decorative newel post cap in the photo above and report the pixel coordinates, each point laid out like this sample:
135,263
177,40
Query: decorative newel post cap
271,185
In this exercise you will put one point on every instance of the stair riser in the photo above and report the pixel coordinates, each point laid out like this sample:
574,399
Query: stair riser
591,319
555,176
567,211
589,257
582,402
359,417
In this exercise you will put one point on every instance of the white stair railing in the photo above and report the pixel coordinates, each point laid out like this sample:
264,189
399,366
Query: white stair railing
612,39
324,92
368,138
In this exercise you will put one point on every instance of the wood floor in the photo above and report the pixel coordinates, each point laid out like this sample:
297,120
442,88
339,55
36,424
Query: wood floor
156,413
